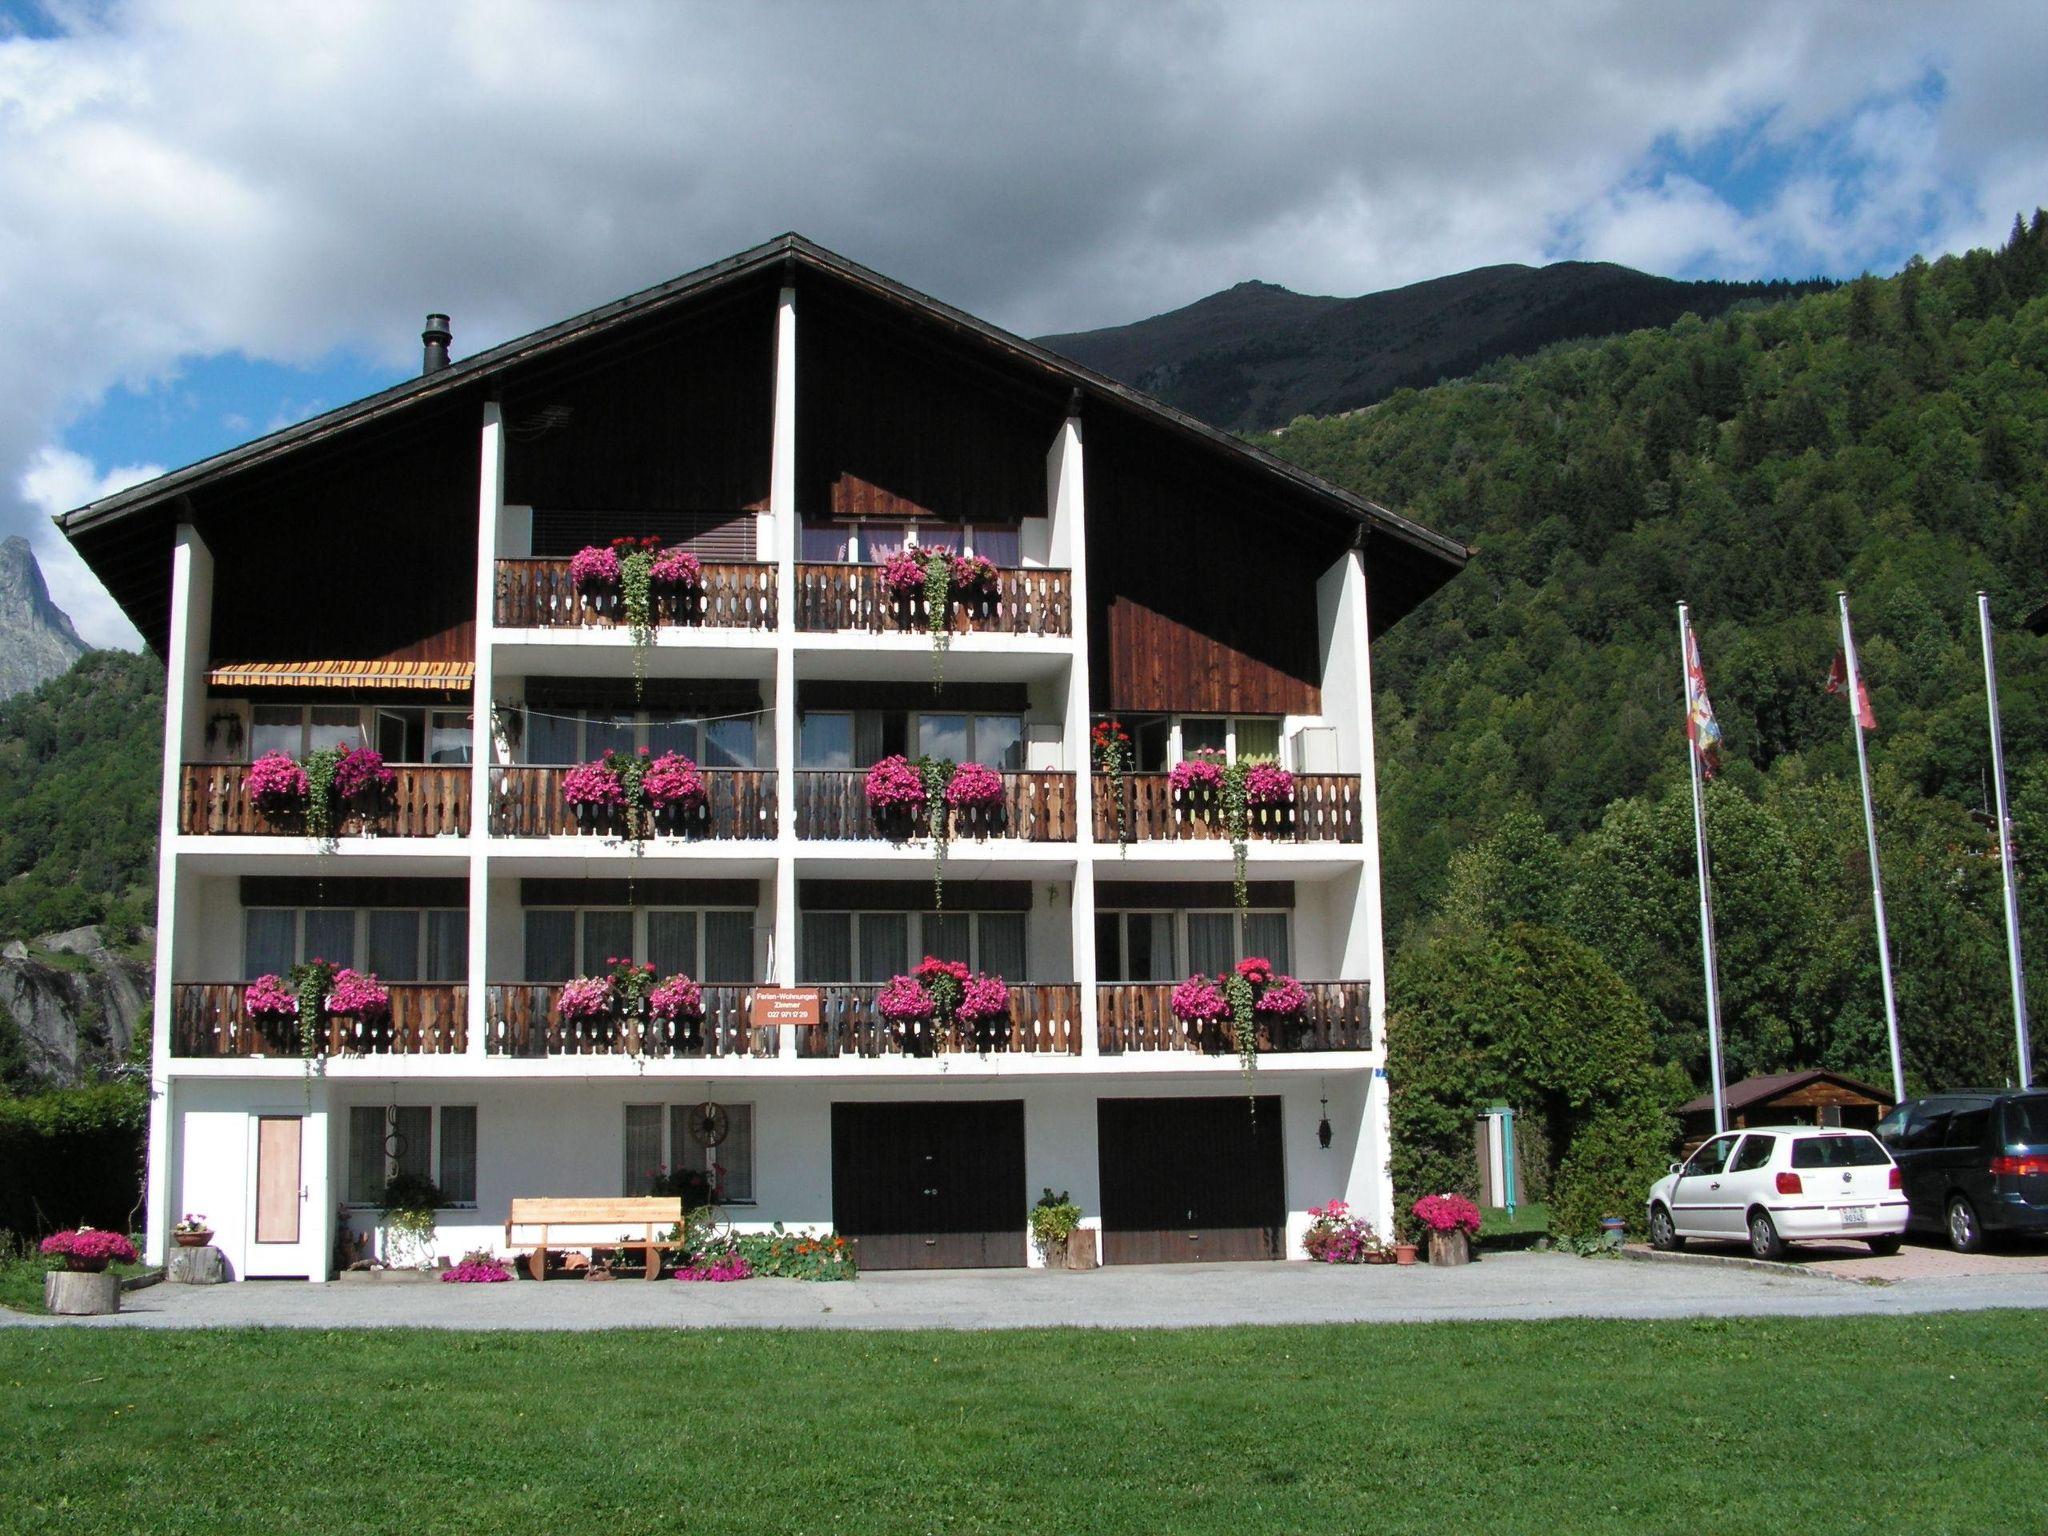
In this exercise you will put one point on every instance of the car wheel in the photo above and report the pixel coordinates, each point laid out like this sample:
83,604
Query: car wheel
1883,1247
1964,1235
1663,1234
1764,1241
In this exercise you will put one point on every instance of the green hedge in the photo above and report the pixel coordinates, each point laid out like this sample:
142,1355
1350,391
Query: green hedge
72,1157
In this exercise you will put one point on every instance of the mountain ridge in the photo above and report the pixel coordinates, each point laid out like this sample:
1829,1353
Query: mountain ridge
37,640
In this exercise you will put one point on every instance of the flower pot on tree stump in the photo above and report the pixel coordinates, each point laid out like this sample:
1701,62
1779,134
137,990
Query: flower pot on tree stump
1081,1248
195,1266
1448,1248
76,1293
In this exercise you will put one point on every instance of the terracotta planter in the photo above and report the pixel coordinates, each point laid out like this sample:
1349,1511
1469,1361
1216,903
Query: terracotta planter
1404,1253
193,1239
81,1293
1447,1249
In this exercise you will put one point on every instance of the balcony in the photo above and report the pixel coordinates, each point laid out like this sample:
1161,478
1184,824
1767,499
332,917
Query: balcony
1045,1020
521,1020
1035,808
1328,807
1028,600
1138,1016
539,594
425,801
527,802
426,1019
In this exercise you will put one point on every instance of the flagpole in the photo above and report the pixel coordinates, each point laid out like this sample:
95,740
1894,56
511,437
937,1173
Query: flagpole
1699,841
1884,948
2005,852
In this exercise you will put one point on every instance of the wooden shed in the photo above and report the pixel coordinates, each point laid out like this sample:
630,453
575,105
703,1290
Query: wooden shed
1812,1097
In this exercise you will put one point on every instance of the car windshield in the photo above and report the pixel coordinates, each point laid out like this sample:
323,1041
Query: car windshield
2026,1122
1837,1152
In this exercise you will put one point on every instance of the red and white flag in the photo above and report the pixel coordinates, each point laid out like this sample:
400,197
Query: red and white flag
1838,682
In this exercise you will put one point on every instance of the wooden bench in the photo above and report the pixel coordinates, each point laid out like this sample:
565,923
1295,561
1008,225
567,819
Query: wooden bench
650,1210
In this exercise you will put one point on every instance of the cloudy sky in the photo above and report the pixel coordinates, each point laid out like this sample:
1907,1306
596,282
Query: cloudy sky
220,216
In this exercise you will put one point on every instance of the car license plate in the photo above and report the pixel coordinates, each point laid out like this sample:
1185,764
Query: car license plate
1855,1215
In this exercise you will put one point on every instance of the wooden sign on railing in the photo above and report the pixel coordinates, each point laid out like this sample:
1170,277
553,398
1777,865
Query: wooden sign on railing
801,1007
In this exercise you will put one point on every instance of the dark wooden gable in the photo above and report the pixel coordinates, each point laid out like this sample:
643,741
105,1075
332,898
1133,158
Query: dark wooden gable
1201,588
363,553
896,421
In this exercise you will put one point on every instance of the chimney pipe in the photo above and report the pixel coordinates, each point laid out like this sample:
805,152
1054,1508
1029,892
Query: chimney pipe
436,338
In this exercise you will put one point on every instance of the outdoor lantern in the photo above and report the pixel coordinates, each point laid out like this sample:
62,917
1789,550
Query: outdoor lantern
1323,1127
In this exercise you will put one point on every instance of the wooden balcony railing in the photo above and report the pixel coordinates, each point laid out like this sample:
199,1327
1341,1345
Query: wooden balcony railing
527,802
1045,1019
521,1021
428,800
426,1019
1035,808
1326,809
539,594
1028,600
1138,1016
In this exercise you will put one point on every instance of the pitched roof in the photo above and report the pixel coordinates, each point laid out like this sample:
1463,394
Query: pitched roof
1758,1090
1443,557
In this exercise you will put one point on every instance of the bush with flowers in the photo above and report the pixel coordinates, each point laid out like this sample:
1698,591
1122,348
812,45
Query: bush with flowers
784,1255
1336,1236
904,1000
1201,774
1199,1001
479,1267
1447,1213
594,568
727,1265
88,1250
894,784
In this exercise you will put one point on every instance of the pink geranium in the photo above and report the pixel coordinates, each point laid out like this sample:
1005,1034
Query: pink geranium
931,969
1199,1000
1268,784
356,995
587,997
983,999
677,998
1257,970
1283,996
903,574
973,784
593,568
1203,771
89,1249
676,568
476,1272
905,1001
267,997
594,784
672,779
276,783
894,782
973,574
1447,1213
362,773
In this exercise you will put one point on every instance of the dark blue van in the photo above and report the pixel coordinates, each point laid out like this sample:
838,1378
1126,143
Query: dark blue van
1975,1163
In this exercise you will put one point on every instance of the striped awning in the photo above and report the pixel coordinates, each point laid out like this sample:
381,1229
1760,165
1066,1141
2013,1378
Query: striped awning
442,676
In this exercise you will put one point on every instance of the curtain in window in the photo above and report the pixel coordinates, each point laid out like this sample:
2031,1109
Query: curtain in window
550,944
1265,935
1151,940
331,935
947,536
365,1154
413,1152
267,941
606,935
878,541
447,946
335,725
998,545
826,953
276,728
392,942
825,541
1257,738
948,936
870,728
458,1154
1203,732
643,1148
1212,945
672,943
884,944
729,947
613,732
1109,947
551,738
1002,945
450,739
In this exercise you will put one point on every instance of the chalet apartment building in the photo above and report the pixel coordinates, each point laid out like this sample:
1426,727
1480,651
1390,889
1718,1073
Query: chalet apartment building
395,575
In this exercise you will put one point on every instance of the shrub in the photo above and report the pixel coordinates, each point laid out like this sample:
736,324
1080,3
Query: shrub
72,1157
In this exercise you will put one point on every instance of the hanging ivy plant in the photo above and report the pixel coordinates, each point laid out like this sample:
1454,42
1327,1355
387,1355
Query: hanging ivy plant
636,598
936,774
938,605
1237,822
1240,994
322,802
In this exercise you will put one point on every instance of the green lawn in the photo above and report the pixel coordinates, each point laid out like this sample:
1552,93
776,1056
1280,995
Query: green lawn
1887,1425
22,1269
1494,1221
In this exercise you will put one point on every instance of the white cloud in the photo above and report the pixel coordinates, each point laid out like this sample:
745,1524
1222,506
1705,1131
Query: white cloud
288,179
55,481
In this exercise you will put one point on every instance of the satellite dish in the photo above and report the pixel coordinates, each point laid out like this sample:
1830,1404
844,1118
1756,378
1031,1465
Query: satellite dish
709,1124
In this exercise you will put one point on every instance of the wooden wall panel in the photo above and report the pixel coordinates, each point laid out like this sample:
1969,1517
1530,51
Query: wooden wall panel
890,424
1202,593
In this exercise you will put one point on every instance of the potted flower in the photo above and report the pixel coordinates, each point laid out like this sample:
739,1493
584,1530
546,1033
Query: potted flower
192,1231
1196,780
1282,1006
975,792
361,781
896,795
1110,746
907,1006
595,569
1054,1222
478,1267
678,1002
277,787
1199,1004
1452,1221
984,1003
594,794
356,996
81,1286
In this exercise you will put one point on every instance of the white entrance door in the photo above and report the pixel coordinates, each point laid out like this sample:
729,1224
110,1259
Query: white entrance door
277,1231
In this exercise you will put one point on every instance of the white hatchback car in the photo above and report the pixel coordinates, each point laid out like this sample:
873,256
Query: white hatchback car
1782,1184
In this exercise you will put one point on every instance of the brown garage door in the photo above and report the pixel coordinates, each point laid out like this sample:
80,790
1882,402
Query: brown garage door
1191,1179
930,1186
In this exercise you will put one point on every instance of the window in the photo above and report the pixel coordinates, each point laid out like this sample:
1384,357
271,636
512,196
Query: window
824,740
1756,1153
889,943
417,735
863,542
583,736
884,944
1141,946
1966,1127
393,943
386,1140
1849,1151
996,741
713,945
1711,1158
1134,946
1235,736
657,1136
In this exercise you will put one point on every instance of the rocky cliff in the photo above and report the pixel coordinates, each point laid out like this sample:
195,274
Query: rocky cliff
37,641
74,1004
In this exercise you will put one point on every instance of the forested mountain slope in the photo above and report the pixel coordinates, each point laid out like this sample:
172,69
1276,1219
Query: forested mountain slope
1889,437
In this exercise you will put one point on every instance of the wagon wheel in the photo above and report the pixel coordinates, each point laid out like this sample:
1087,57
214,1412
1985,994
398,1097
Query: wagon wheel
709,1124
